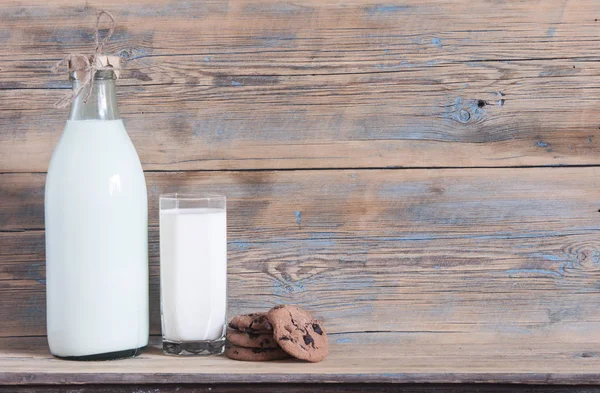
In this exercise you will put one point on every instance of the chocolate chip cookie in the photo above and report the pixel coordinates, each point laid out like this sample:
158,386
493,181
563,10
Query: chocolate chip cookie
251,340
252,323
298,333
255,354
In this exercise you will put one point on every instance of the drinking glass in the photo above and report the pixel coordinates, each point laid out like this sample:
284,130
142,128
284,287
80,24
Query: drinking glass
193,273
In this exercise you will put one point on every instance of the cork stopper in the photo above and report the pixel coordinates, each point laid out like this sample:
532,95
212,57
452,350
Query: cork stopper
80,65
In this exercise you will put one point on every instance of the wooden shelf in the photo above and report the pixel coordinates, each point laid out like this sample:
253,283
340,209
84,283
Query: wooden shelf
412,360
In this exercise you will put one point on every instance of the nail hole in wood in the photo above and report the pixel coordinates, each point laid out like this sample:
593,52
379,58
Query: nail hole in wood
481,103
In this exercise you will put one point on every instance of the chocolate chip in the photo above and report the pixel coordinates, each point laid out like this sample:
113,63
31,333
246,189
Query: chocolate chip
253,336
308,340
317,329
285,338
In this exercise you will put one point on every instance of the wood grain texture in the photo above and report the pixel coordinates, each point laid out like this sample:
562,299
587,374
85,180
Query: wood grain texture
306,388
482,273
436,359
472,258
321,84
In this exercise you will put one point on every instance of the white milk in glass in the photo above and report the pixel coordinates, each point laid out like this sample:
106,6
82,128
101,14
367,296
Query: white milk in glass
96,243
193,273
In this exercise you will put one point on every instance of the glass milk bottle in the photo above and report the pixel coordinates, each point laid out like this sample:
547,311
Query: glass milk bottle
96,233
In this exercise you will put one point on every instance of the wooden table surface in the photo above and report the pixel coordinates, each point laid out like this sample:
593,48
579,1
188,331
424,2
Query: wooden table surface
423,175
421,359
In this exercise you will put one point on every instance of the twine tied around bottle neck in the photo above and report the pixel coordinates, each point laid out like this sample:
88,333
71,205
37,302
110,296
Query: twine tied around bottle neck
86,66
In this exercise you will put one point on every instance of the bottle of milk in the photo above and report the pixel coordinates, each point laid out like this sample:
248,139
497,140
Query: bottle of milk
96,232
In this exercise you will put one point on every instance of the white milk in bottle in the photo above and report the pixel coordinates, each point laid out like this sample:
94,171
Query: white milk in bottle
96,233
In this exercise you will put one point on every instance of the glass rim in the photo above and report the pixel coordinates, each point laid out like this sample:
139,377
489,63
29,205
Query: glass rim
177,196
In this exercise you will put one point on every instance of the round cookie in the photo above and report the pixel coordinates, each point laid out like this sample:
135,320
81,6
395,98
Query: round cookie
251,323
255,354
298,333
251,340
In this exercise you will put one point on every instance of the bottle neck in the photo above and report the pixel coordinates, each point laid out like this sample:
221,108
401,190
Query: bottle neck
102,102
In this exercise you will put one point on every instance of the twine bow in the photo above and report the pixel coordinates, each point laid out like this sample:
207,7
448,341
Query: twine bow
91,64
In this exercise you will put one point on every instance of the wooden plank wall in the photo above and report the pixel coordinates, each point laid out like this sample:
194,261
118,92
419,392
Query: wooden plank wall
407,167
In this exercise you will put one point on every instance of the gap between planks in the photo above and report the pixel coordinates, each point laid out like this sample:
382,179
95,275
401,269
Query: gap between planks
406,168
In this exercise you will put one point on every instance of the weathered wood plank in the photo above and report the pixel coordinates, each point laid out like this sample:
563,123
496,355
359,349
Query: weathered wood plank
307,388
459,30
478,253
523,285
320,84
397,119
341,203
416,359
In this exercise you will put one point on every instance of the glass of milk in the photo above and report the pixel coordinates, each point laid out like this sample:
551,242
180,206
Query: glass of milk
193,273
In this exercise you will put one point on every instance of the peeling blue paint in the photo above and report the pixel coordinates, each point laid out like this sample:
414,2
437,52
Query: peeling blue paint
344,340
322,239
386,8
133,54
514,272
207,59
321,235
566,265
385,66
277,8
551,32
386,51
437,42
542,144
239,245
548,257
298,215
463,111
322,243
282,288
236,83
41,281
366,298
